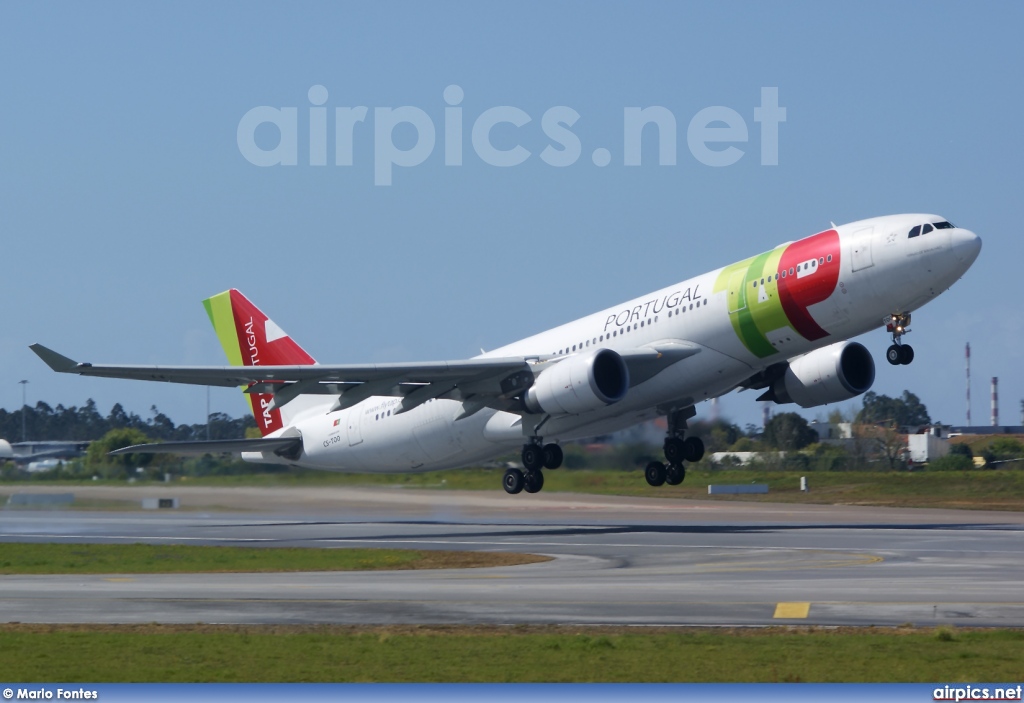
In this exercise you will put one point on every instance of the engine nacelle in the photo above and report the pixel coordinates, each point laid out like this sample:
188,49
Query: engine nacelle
837,372
579,383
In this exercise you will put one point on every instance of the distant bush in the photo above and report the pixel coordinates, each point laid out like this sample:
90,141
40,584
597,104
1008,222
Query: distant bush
962,450
951,462
1006,448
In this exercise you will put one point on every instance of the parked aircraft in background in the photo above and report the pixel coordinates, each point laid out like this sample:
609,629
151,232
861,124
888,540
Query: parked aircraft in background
778,322
41,455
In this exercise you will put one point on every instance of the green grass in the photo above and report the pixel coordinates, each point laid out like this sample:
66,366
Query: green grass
154,653
978,489
982,489
21,558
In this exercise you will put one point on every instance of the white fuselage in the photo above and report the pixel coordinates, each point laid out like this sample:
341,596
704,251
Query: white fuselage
870,269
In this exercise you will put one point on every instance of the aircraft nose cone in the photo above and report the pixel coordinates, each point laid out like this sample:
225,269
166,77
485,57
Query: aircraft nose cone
966,245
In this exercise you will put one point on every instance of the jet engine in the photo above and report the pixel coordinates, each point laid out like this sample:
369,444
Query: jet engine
837,372
579,383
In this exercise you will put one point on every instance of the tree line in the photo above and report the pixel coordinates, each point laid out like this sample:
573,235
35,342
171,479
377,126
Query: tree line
86,423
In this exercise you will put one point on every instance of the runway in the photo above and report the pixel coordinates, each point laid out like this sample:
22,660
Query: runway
618,561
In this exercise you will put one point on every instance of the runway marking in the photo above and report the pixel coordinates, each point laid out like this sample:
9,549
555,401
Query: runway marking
151,537
792,611
855,557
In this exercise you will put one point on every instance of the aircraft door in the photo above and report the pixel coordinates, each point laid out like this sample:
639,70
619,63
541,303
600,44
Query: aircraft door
737,291
355,433
861,246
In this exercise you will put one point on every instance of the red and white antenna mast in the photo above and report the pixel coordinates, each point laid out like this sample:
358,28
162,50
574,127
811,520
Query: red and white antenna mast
995,401
967,353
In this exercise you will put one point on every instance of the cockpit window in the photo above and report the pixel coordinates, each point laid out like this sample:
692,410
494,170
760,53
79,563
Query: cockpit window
944,225
914,232
927,229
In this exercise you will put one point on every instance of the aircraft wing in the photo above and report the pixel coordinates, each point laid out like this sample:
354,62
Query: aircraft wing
490,382
497,379
278,445
422,372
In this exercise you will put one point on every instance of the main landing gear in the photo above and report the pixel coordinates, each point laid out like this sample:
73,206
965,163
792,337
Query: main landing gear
898,354
678,448
536,456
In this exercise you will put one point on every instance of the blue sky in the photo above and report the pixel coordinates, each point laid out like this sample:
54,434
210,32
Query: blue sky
125,199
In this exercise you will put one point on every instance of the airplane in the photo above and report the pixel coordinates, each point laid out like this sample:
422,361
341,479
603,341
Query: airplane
43,454
779,322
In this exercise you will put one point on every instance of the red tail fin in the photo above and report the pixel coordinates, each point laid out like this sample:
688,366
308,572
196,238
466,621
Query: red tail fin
250,338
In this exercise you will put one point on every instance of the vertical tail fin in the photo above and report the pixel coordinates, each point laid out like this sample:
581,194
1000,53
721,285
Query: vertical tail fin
250,338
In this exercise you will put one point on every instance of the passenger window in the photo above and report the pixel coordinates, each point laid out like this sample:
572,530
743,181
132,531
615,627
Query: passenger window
790,270
927,229
914,232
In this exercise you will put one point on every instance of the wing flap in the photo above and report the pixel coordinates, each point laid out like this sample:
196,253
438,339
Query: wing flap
278,445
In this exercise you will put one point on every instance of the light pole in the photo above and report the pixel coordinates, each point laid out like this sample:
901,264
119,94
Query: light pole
24,406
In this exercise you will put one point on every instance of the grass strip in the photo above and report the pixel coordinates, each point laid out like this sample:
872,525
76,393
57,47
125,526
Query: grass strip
979,490
972,490
25,558
156,653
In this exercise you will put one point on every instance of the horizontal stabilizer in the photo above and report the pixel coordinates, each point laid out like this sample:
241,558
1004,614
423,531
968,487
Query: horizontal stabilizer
57,362
279,445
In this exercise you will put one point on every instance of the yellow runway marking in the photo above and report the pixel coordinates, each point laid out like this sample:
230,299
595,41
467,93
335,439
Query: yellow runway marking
793,611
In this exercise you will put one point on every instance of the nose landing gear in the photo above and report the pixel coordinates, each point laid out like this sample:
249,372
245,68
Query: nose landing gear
898,354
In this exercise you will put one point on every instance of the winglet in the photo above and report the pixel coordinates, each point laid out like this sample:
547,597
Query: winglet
57,362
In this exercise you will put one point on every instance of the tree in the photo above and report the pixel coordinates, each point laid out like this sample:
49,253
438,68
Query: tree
718,435
962,449
891,444
883,410
1006,448
788,431
97,454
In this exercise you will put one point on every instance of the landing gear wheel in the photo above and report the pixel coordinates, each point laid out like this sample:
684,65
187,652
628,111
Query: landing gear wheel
693,449
533,457
675,449
906,354
552,456
674,474
513,481
893,355
655,473
534,481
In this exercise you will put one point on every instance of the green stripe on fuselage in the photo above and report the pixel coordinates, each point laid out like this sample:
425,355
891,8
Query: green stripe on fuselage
755,317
